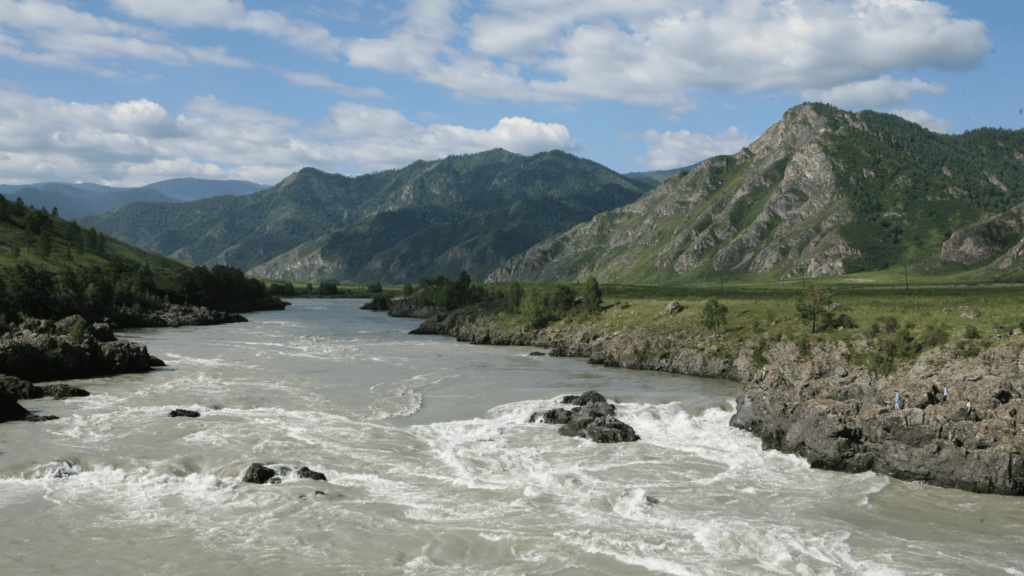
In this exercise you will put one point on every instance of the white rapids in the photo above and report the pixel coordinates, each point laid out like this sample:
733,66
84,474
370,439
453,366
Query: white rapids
433,468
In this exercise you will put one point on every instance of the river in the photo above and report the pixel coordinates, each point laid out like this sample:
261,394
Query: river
433,468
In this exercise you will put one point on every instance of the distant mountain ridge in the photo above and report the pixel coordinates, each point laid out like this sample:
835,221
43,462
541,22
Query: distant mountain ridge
822,192
467,212
657,177
85,199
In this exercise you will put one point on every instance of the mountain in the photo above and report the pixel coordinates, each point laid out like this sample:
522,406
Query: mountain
85,199
463,212
185,189
656,177
821,192
74,202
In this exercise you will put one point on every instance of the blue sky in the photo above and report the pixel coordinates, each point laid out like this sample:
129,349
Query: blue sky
127,92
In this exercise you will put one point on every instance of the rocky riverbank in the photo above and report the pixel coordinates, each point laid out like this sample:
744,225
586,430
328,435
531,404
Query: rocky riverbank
960,421
175,316
42,350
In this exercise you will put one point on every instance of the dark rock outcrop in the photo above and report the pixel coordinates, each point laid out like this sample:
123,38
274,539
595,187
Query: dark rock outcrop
20,389
176,315
593,417
62,391
182,413
40,350
155,362
411,308
305,472
378,304
10,409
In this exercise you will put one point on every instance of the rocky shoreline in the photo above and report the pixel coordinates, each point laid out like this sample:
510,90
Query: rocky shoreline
73,348
960,422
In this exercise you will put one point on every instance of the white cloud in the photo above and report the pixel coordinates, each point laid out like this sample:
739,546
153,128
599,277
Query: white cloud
657,52
317,80
881,92
380,138
233,15
677,149
926,120
137,142
52,34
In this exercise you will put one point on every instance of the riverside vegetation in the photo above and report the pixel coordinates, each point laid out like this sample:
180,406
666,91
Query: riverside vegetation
820,365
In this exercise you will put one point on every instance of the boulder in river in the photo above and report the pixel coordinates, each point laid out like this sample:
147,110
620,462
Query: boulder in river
182,413
257,473
593,417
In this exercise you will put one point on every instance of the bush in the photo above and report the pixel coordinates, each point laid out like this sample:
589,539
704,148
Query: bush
327,289
533,310
813,306
714,315
933,336
972,333
515,296
563,299
373,288
79,331
407,289
591,295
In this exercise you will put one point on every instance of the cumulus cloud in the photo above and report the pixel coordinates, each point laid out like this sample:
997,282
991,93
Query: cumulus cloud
667,150
926,120
376,137
137,142
52,34
657,52
881,92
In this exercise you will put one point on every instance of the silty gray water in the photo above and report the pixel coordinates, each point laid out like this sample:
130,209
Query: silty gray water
433,468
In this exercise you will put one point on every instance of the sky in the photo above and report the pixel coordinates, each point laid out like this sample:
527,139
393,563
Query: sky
129,92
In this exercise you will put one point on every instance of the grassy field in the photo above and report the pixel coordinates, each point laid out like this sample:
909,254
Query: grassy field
896,323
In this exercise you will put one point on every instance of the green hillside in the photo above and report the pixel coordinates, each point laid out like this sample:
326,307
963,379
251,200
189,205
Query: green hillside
387,226
823,192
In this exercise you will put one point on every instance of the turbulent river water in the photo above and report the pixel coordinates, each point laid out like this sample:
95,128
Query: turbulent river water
433,468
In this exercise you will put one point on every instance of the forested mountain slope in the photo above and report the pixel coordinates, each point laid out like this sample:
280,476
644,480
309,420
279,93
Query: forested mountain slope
822,192
464,212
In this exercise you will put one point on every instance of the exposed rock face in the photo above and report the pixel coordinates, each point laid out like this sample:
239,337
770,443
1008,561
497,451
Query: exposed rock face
40,350
820,406
592,418
969,246
843,418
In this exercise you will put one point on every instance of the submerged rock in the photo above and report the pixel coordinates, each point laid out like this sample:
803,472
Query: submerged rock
59,469
593,417
182,413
